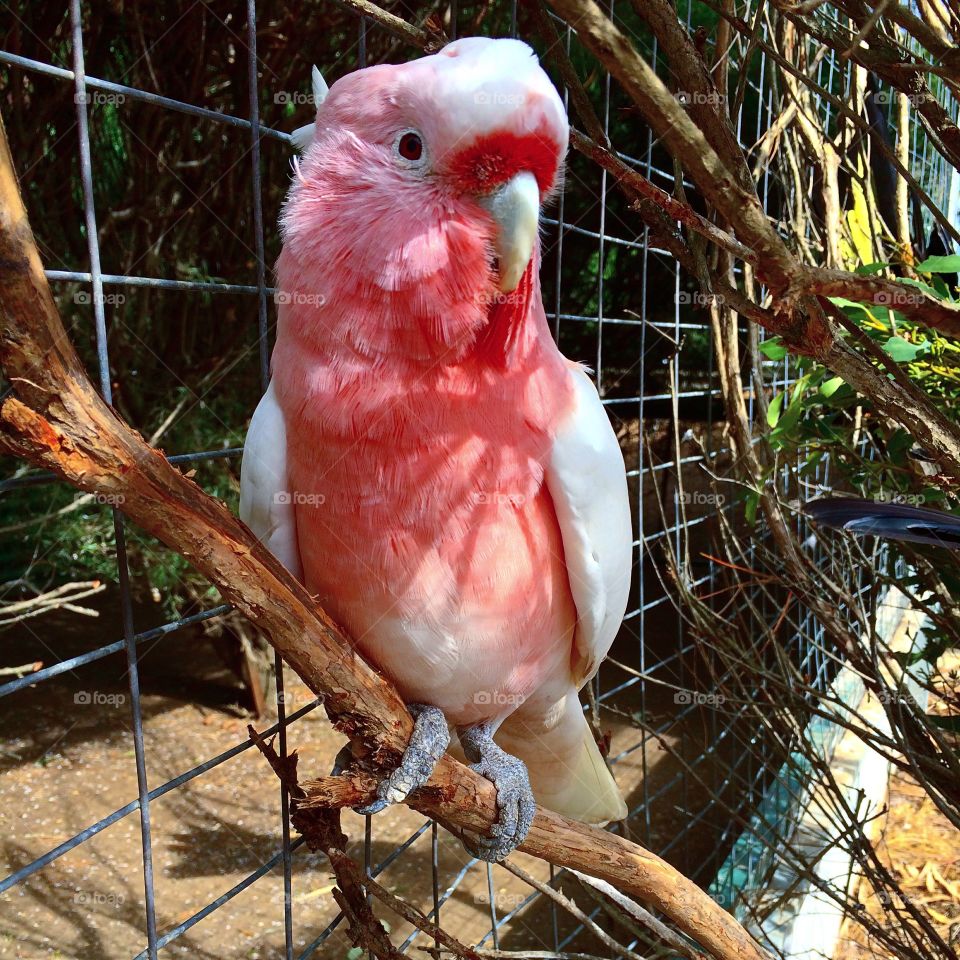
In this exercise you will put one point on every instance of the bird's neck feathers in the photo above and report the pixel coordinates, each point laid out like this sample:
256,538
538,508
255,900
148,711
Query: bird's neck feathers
515,324
439,307
397,372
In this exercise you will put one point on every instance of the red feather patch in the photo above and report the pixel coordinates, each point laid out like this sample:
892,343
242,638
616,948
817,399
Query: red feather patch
493,160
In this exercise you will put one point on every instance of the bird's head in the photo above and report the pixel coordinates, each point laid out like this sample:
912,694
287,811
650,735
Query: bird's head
419,194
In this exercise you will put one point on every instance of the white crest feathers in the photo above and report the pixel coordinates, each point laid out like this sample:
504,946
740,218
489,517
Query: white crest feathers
302,136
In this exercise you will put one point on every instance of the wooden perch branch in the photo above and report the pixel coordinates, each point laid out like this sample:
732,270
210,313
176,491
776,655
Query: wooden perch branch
56,420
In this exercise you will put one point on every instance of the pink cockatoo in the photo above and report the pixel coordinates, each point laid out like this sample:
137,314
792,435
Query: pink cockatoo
425,459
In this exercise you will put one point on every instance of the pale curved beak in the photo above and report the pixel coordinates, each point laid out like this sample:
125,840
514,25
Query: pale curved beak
515,208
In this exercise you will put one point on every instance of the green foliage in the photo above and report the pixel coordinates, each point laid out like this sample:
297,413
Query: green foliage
948,264
47,538
821,418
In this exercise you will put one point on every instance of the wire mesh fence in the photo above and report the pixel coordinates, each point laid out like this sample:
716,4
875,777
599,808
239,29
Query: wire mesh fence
616,302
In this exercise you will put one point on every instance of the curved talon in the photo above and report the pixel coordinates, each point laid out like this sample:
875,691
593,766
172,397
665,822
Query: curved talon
428,743
515,803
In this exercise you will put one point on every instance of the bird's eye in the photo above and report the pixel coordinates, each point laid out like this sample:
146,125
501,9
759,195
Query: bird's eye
410,146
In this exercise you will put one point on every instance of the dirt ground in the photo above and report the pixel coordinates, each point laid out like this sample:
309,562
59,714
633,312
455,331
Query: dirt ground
67,760
918,845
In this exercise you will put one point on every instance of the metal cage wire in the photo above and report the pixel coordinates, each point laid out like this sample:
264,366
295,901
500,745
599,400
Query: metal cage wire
751,775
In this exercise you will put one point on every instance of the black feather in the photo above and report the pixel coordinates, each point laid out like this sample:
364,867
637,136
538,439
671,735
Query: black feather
894,521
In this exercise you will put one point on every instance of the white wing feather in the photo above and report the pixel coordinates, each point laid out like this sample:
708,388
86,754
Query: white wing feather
266,501
587,481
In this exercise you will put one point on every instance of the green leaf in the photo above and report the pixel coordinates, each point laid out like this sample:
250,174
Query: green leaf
789,420
773,411
790,417
848,305
943,291
829,388
948,264
355,953
920,285
903,351
773,349
898,444
866,269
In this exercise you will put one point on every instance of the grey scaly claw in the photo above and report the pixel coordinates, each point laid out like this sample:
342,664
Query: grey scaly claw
428,743
515,803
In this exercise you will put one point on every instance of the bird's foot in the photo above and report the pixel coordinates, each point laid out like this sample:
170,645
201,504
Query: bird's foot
427,745
515,803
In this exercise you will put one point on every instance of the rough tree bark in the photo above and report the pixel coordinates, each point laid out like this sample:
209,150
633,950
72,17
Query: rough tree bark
56,420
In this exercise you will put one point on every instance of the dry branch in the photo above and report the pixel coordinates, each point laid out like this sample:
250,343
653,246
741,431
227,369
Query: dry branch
570,907
22,670
630,180
721,174
323,833
56,420
429,37
902,71
417,919
842,108
638,914
64,597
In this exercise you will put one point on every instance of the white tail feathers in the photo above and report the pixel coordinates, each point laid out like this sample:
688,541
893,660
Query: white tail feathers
590,794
